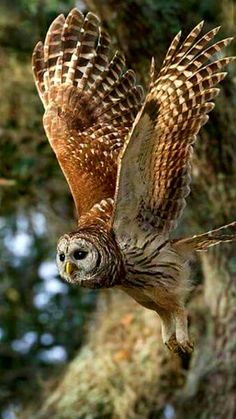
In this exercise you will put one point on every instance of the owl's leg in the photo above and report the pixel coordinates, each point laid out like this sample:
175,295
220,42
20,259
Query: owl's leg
168,330
174,328
181,320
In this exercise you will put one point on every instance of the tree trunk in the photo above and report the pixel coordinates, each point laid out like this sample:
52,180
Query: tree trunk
210,387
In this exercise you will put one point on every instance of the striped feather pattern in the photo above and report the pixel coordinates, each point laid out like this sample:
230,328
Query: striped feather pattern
90,103
176,107
91,111
200,242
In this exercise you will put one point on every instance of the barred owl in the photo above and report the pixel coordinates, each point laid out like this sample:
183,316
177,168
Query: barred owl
127,161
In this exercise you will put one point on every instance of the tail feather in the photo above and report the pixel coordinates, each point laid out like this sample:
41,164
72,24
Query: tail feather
200,242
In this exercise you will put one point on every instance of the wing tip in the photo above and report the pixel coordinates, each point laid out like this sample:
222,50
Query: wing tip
227,41
91,15
200,25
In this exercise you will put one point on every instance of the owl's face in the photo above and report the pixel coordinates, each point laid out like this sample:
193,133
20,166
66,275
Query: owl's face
82,259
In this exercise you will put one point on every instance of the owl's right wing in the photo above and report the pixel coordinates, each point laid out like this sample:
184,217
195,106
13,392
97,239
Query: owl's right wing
90,104
154,168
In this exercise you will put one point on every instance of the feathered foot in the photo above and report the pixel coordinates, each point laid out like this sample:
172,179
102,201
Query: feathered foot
185,347
175,332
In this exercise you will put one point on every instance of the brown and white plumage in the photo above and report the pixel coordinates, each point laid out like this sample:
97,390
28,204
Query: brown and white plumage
110,146
90,103
155,170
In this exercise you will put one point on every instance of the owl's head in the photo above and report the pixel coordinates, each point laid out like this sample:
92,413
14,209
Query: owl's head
89,257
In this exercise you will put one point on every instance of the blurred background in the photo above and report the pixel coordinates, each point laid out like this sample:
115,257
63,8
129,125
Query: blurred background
117,369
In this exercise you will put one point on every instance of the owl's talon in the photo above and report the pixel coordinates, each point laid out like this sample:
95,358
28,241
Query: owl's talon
179,347
186,346
172,344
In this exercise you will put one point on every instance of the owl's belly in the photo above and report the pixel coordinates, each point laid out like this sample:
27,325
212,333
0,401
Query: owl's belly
138,295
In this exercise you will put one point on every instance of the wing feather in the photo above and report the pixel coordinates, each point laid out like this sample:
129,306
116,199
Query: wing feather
90,104
154,167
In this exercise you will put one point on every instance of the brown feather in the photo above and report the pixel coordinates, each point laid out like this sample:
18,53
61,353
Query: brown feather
89,104
154,171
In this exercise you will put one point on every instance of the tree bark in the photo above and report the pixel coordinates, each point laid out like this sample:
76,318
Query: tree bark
210,387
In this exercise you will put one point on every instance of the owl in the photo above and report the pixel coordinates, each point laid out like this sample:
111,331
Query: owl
127,160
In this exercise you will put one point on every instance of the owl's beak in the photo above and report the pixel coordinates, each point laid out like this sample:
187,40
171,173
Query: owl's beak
70,268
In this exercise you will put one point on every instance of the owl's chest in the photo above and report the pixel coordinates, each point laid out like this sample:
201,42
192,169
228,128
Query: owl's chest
151,268
153,279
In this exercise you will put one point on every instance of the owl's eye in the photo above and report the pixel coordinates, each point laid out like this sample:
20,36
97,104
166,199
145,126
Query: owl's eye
80,254
62,257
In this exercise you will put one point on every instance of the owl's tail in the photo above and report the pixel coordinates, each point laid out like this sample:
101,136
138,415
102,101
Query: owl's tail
201,242
72,70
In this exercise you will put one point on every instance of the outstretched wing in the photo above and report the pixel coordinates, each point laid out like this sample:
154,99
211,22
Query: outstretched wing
90,103
201,242
154,168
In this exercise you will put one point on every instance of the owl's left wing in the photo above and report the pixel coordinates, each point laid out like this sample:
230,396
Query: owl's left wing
154,168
